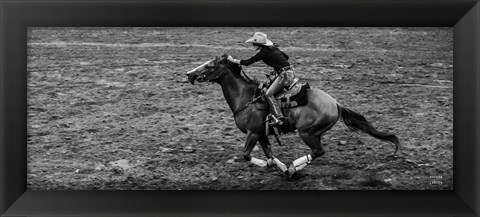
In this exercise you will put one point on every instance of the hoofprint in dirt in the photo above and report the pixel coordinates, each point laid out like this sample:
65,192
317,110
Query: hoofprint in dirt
110,108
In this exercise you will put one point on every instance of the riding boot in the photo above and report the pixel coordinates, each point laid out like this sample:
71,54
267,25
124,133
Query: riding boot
275,109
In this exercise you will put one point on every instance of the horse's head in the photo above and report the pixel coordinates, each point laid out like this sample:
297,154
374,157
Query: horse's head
210,71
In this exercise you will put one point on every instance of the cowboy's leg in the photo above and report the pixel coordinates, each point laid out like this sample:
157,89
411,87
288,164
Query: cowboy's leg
276,86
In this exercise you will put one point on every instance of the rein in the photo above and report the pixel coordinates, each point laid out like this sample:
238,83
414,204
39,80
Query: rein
246,76
254,99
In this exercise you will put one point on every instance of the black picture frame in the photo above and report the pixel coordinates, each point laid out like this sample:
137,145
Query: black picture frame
16,16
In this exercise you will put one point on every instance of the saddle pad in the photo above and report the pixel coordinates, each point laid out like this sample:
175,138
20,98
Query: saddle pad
298,98
295,90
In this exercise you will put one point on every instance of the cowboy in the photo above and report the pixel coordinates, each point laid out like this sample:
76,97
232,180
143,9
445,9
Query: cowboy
274,57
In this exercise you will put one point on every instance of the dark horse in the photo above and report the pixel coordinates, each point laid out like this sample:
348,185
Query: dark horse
311,120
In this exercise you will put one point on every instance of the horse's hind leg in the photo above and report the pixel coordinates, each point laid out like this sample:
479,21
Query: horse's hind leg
316,151
272,161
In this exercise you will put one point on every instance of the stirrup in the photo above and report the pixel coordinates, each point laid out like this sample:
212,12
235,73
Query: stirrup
276,121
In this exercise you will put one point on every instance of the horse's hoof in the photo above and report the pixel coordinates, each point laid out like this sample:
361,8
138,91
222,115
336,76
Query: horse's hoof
289,175
270,163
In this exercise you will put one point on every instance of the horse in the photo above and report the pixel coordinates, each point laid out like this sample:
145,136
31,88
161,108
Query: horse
319,115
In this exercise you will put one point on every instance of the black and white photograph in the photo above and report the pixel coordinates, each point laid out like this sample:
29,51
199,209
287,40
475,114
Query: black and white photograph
240,108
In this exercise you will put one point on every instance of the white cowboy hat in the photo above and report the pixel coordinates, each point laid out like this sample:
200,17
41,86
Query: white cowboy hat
260,38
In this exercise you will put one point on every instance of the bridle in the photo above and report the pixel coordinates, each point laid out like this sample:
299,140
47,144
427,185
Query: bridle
218,76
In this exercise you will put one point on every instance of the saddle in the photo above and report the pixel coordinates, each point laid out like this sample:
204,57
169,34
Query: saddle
293,96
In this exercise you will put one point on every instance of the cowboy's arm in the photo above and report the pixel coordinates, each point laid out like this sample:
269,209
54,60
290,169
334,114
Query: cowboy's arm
259,56
231,59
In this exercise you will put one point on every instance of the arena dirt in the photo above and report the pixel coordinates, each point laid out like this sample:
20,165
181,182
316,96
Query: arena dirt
110,108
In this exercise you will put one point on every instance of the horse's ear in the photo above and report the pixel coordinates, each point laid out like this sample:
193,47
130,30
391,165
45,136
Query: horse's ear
224,56
217,59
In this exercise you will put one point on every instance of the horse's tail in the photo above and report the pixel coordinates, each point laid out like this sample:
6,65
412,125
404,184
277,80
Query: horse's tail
356,122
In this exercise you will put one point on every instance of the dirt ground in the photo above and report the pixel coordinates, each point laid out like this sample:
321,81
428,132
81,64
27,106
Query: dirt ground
110,108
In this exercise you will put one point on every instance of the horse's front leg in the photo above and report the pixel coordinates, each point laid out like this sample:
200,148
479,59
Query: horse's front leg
252,139
272,161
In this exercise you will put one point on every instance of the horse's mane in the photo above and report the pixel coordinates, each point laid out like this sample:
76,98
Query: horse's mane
238,72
